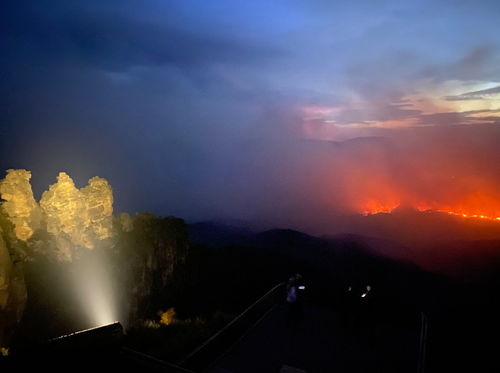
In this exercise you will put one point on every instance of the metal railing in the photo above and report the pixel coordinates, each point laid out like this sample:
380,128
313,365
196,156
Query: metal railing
203,356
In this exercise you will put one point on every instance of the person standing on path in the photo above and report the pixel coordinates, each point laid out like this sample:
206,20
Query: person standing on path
293,298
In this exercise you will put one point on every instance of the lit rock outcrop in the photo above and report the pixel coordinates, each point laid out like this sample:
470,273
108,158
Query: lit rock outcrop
66,213
20,205
146,255
98,196
78,217
73,217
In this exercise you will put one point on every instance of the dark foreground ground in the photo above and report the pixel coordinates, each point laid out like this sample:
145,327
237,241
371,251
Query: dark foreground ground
322,342
364,336
463,322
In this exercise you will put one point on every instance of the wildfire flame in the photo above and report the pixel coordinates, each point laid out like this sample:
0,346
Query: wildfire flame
373,207
462,214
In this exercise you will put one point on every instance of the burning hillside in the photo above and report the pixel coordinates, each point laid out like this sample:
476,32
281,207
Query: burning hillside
314,185
422,170
373,208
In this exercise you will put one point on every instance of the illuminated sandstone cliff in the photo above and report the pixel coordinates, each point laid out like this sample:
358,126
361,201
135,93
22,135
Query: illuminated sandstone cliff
136,263
98,197
73,217
66,213
20,205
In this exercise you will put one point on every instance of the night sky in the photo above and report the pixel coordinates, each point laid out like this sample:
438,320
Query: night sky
227,110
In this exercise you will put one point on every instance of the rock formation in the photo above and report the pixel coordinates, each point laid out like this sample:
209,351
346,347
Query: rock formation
66,214
98,196
5,273
20,205
158,250
13,295
73,217
145,256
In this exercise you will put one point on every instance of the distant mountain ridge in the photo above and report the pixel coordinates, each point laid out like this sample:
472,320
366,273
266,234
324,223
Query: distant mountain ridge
324,251
423,238
218,234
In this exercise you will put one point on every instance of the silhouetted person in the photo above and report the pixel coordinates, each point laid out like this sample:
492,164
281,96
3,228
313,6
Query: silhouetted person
293,298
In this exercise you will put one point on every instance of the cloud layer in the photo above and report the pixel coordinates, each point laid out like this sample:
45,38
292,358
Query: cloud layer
229,112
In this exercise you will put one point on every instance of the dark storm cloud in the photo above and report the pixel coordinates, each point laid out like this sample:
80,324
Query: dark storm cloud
158,110
115,38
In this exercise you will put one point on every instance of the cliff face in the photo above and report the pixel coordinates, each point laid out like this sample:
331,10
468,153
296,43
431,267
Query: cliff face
156,252
70,216
142,257
13,295
19,203
98,197
78,216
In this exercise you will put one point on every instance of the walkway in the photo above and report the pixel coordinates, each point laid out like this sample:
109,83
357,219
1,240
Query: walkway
322,342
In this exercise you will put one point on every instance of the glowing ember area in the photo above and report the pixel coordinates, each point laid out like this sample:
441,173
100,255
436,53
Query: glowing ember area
372,207
465,215
476,205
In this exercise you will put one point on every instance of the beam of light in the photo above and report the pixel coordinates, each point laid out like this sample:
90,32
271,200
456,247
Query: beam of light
93,287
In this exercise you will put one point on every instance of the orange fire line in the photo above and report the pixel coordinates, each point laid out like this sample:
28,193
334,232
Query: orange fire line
387,210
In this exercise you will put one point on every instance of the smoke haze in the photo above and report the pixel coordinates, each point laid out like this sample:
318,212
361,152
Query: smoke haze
296,119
